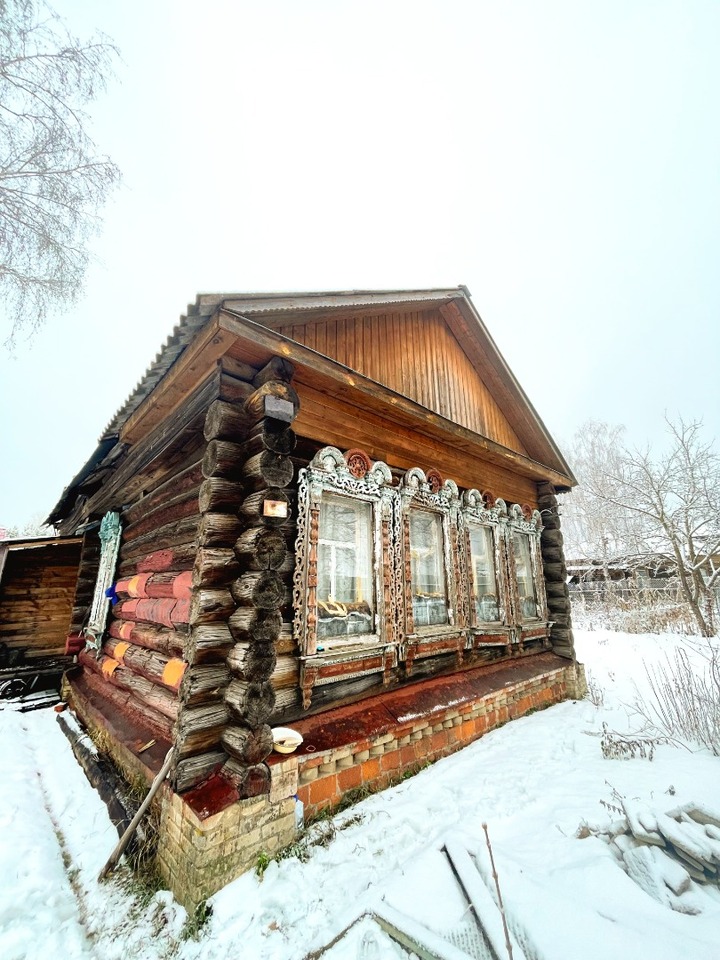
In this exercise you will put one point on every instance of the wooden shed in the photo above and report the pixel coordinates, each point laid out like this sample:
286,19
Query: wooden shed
334,512
38,579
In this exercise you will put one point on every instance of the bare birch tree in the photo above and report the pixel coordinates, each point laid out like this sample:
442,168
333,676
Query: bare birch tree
654,509
52,179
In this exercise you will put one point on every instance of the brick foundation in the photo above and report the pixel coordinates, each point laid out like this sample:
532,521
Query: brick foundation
324,777
197,857
208,836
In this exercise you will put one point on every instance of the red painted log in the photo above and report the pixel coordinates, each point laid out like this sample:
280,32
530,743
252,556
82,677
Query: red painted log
151,638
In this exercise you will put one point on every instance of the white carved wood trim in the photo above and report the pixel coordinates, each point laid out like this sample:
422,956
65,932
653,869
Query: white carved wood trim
110,534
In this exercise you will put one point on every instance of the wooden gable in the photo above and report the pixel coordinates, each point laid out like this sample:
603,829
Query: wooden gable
416,354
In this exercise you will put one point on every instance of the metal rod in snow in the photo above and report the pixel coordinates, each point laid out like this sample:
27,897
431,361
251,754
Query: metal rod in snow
497,887
127,836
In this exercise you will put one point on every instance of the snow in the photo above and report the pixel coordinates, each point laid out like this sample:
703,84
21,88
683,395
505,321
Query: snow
535,782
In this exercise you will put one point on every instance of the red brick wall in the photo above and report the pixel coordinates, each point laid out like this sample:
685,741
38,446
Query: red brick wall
377,762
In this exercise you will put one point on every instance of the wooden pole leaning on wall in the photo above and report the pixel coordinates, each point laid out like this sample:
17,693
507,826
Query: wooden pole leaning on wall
134,823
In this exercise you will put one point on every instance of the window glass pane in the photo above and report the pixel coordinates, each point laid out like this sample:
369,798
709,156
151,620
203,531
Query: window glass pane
345,581
523,572
484,582
427,569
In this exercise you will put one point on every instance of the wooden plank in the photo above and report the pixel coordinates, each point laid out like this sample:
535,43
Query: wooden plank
326,421
185,375
322,373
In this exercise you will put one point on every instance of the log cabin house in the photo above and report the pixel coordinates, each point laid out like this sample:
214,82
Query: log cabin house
334,512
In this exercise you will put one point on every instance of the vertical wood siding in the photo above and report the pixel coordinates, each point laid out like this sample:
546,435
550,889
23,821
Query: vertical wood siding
416,355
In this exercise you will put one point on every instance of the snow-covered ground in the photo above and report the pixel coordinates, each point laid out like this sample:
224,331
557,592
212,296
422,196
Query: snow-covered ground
534,782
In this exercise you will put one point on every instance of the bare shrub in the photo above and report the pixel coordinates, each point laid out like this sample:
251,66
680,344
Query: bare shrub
595,693
684,699
631,610
623,746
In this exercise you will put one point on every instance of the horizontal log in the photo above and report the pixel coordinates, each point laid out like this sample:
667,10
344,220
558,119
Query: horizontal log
210,606
552,554
215,567
555,572
220,496
249,623
288,704
262,548
128,705
145,691
199,729
251,703
252,507
193,770
238,369
177,558
209,643
167,671
203,683
556,589
166,613
223,458
170,511
250,781
225,421
157,586
160,639
177,485
172,536
267,469
247,745
277,368
263,589
274,399
551,537
233,390
286,673
272,435
252,661
218,530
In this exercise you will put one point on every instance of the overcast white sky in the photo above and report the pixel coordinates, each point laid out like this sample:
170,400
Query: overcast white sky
562,159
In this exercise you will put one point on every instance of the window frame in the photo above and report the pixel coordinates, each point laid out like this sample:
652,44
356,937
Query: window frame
483,511
524,521
329,474
441,497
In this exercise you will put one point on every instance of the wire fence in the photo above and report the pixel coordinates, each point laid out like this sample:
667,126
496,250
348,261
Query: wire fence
649,607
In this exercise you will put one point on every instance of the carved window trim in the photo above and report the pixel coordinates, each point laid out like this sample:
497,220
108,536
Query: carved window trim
110,535
483,510
417,493
527,522
330,474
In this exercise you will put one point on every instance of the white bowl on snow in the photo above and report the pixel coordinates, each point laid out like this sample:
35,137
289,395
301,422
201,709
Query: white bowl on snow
286,740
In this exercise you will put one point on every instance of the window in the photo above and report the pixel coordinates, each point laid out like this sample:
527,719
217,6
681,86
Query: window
343,570
527,592
345,594
427,569
484,580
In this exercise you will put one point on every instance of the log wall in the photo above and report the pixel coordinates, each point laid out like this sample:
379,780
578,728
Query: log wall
37,592
142,668
261,658
555,573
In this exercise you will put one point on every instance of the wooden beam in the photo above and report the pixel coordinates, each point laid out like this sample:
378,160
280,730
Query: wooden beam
184,375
